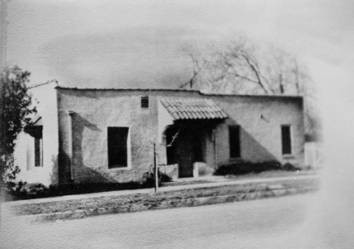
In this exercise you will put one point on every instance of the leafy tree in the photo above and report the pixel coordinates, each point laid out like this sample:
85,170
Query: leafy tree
16,106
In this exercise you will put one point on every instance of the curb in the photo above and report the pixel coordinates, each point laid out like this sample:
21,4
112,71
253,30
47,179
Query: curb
215,195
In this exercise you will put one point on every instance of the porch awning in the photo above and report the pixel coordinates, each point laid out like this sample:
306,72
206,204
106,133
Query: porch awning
35,119
192,108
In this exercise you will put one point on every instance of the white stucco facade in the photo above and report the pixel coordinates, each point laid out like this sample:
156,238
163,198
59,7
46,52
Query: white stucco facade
45,100
75,126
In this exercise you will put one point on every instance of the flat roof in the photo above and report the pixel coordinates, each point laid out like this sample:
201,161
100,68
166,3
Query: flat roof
178,90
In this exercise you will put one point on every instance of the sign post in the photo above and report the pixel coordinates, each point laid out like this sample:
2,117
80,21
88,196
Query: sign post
156,170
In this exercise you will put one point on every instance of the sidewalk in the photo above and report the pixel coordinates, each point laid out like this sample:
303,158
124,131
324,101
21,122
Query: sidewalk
212,181
197,194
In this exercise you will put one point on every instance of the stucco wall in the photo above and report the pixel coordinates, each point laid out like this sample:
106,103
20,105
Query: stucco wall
83,138
94,111
260,120
44,98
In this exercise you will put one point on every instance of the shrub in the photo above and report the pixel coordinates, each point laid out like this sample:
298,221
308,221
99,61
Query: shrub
148,179
290,167
90,187
24,190
33,189
12,186
164,177
246,167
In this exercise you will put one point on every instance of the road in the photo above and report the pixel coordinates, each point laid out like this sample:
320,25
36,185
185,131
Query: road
268,223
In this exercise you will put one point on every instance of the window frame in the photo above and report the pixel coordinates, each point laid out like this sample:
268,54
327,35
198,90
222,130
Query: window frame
127,148
290,138
239,150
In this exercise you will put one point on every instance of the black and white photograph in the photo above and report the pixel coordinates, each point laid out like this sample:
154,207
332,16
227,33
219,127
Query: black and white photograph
170,124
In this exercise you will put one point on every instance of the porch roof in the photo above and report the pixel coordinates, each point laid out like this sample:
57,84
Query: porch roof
35,119
192,108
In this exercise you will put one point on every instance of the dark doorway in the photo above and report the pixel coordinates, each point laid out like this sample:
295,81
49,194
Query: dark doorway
185,154
185,146
117,146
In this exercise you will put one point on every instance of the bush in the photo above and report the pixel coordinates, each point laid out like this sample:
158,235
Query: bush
23,190
164,177
14,186
33,189
290,167
91,187
245,167
148,179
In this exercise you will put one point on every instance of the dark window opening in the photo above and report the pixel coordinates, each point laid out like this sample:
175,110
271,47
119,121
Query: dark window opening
37,132
145,102
117,147
234,141
286,139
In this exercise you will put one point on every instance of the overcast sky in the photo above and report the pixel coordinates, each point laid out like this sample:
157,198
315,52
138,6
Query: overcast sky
139,43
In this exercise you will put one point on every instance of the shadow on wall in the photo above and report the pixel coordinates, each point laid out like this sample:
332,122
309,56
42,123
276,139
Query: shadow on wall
81,172
251,149
64,169
54,176
254,151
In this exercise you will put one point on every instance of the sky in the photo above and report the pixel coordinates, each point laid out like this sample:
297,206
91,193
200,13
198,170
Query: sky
140,43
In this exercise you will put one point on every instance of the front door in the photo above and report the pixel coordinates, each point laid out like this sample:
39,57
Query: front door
189,150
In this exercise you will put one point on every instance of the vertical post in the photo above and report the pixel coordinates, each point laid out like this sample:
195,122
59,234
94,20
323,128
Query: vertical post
156,171
71,147
214,147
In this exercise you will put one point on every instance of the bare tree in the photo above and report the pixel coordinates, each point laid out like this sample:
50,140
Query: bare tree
196,68
283,71
242,67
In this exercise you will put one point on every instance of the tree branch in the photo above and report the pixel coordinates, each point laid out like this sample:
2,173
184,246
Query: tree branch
196,70
255,69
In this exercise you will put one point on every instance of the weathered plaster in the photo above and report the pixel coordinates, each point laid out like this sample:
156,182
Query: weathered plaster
260,119
44,98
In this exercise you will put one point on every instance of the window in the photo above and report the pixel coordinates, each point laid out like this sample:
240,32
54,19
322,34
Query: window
38,145
234,141
286,139
145,102
117,147
36,132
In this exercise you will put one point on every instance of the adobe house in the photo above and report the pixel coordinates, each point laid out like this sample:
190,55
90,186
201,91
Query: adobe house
95,135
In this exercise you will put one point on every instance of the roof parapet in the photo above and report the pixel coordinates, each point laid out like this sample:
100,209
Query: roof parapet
179,90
